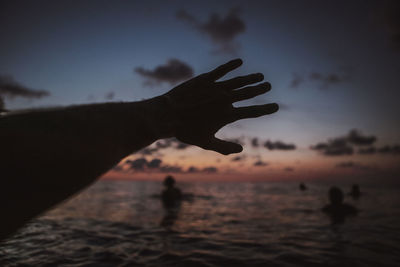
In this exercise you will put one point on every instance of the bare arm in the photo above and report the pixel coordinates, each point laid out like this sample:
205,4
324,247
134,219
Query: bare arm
47,156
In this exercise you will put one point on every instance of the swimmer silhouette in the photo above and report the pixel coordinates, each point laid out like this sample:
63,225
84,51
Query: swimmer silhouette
338,210
170,217
171,196
48,155
355,191
302,187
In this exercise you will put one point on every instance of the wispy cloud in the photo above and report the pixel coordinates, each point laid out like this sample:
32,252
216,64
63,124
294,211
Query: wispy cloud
109,96
344,145
321,80
10,88
157,165
355,137
355,166
390,149
260,163
222,30
279,145
255,142
171,72
334,147
238,158
367,151
162,145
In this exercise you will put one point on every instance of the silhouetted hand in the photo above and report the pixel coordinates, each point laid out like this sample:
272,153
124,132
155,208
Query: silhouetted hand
202,106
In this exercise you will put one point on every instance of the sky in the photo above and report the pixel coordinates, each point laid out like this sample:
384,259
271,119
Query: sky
334,68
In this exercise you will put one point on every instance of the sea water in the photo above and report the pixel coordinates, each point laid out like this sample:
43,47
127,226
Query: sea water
123,223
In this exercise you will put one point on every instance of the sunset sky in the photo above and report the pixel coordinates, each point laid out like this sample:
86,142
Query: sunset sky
334,67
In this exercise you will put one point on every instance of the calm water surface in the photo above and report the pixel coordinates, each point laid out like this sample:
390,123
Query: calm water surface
122,223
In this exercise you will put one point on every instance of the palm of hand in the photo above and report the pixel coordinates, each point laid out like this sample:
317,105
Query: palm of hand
202,106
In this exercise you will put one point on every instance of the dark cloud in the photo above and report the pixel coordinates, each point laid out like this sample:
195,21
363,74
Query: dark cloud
138,164
238,158
354,165
279,145
297,80
255,142
289,169
170,169
154,164
210,169
330,78
334,147
142,164
166,143
355,137
181,146
192,169
10,88
392,150
386,150
171,143
172,72
148,151
323,80
367,151
221,30
163,144
109,96
260,163
345,145
157,165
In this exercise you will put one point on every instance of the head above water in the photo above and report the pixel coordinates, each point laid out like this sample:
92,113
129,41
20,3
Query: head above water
355,188
336,195
169,181
302,186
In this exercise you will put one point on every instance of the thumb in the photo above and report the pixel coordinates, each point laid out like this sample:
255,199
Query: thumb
223,147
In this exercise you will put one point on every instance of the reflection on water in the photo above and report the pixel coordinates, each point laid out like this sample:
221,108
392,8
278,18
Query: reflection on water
234,224
171,215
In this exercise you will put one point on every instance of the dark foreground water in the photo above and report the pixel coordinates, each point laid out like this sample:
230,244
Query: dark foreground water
222,224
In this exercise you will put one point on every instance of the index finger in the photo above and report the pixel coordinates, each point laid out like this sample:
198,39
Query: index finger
254,111
222,70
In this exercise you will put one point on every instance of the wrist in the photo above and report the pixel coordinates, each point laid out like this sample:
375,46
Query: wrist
162,118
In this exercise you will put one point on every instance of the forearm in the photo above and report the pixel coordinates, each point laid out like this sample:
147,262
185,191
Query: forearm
46,156
49,155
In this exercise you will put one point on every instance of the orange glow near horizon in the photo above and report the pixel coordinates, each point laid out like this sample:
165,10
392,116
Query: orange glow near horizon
298,165
253,164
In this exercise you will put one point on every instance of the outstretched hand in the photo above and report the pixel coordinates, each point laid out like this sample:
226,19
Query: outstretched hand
93,138
202,106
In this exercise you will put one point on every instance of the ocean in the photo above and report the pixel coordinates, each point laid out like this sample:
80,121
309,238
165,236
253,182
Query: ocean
123,223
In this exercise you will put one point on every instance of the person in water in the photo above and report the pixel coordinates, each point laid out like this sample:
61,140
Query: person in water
171,196
338,210
48,155
302,187
355,191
